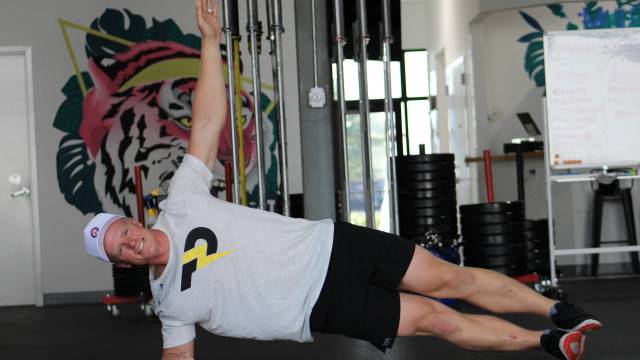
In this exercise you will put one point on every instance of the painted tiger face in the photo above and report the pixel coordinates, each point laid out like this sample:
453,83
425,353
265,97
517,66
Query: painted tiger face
139,114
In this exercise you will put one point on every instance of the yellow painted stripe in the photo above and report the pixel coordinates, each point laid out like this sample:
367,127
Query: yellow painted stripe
83,87
177,68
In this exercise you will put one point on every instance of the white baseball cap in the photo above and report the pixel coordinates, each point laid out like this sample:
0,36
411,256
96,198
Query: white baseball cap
94,234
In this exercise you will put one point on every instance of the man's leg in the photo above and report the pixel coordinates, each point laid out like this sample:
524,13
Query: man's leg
487,289
492,291
423,316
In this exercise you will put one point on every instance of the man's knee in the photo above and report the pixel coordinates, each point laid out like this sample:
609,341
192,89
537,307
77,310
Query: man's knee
423,316
440,325
458,278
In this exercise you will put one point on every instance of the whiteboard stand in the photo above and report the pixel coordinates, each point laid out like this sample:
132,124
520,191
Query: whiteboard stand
553,252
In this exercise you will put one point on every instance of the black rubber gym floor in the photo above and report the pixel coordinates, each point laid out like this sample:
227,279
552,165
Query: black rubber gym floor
89,332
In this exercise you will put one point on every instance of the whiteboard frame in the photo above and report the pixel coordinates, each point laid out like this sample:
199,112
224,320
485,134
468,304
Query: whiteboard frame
626,163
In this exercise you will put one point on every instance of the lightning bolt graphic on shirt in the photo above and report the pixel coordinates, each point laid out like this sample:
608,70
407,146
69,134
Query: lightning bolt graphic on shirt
200,253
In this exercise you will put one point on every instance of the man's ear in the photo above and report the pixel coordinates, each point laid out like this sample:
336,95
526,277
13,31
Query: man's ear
123,265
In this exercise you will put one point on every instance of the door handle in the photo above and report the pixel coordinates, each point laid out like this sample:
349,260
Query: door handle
22,192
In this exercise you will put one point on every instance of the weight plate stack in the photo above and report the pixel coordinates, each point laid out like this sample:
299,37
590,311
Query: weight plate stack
536,233
427,196
131,281
493,236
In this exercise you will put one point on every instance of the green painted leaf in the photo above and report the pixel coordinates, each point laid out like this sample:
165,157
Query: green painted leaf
69,115
530,20
557,10
191,41
165,31
113,22
530,36
72,87
75,175
534,59
533,48
539,78
533,65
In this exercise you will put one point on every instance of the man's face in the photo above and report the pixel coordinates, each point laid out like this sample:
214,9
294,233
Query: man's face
127,243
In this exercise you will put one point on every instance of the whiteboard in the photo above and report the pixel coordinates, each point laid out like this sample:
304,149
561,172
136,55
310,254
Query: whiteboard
593,98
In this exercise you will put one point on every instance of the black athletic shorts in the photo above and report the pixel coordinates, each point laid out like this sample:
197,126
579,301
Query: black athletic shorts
360,297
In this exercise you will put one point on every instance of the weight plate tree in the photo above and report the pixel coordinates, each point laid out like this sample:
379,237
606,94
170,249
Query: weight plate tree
427,196
493,236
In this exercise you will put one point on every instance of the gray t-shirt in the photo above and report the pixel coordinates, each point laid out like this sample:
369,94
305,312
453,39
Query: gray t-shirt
236,271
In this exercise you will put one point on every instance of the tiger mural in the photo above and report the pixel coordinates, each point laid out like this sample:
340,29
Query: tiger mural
137,112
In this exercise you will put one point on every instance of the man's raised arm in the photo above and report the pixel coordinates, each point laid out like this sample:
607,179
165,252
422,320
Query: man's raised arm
209,111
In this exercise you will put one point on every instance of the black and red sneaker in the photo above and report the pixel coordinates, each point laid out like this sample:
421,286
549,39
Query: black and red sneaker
564,345
570,318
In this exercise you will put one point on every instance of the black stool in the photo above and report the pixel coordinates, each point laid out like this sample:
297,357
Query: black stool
612,191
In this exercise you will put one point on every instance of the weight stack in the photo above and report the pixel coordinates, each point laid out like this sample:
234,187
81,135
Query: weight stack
427,196
536,233
131,281
493,237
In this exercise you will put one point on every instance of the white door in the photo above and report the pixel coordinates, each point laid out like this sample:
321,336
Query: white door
20,278
458,129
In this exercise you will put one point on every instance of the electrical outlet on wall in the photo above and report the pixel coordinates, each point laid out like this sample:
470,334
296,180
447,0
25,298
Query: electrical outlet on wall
317,97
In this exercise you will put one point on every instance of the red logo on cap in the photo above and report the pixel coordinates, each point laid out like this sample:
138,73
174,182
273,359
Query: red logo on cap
94,232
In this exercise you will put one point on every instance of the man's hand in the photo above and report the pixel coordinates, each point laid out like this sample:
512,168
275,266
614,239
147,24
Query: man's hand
208,21
182,352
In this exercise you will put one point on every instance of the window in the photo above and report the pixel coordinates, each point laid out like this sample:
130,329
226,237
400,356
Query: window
419,123
414,125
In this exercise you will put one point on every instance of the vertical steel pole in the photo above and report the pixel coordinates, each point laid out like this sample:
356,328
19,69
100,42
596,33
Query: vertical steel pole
253,28
339,42
390,144
362,36
314,44
234,26
274,19
547,171
233,113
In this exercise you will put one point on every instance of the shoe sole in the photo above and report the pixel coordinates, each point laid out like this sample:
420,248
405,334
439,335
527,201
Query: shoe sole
573,345
586,326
